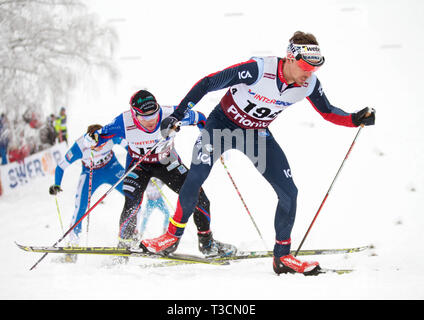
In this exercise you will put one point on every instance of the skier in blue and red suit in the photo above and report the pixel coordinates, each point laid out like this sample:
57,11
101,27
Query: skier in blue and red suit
259,89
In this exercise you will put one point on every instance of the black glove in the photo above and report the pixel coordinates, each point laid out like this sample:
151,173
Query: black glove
90,140
366,117
54,189
94,135
168,125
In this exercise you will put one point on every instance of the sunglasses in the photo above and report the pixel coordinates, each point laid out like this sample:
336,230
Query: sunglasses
148,115
307,66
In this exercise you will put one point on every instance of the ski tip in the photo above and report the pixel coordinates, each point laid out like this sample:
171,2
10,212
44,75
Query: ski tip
336,271
22,246
25,248
320,271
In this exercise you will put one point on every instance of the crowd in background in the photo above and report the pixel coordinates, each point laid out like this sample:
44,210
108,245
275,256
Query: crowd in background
29,134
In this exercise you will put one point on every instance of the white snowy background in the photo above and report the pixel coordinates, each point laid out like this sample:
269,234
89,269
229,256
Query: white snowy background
373,52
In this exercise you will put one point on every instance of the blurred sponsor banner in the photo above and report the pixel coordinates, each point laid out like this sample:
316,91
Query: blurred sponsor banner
17,174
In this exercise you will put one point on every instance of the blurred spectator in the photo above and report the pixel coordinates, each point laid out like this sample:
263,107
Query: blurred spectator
60,126
48,132
25,138
29,135
32,118
19,154
4,138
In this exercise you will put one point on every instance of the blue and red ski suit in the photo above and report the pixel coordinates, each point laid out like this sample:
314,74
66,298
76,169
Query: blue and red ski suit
257,93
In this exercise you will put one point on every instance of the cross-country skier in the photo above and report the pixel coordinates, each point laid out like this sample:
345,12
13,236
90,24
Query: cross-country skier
259,89
154,201
140,127
105,169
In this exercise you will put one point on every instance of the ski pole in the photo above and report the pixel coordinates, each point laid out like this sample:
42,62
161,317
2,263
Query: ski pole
242,200
328,192
58,213
90,185
162,194
103,196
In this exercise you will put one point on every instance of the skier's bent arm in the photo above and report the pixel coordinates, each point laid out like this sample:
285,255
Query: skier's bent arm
330,113
246,72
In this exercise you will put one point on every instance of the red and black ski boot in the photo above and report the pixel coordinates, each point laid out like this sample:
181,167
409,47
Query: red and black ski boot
165,244
290,264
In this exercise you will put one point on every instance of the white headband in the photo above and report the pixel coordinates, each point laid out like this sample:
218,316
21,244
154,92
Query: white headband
309,52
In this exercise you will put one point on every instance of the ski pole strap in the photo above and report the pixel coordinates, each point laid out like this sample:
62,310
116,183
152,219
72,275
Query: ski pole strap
177,224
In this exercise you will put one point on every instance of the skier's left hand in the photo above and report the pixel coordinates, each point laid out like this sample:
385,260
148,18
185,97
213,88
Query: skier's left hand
364,117
54,189
91,140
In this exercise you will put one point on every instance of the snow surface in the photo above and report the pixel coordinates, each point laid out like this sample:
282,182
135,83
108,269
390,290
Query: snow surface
372,51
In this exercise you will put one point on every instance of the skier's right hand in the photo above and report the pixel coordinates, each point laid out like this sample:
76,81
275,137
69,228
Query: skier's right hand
55,189
201,123
169,126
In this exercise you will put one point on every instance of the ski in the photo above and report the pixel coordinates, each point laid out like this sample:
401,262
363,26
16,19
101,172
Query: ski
310,252
178,259
115,251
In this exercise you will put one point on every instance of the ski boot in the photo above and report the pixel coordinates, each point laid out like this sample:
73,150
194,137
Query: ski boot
123,243
290,264
72,242
210,247
165,244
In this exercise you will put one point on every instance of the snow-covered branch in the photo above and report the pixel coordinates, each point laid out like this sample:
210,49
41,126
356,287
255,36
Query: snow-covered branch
44,45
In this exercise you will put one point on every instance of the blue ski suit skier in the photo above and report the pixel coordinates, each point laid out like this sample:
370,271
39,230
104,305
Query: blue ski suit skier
140,127
106,169
258,91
